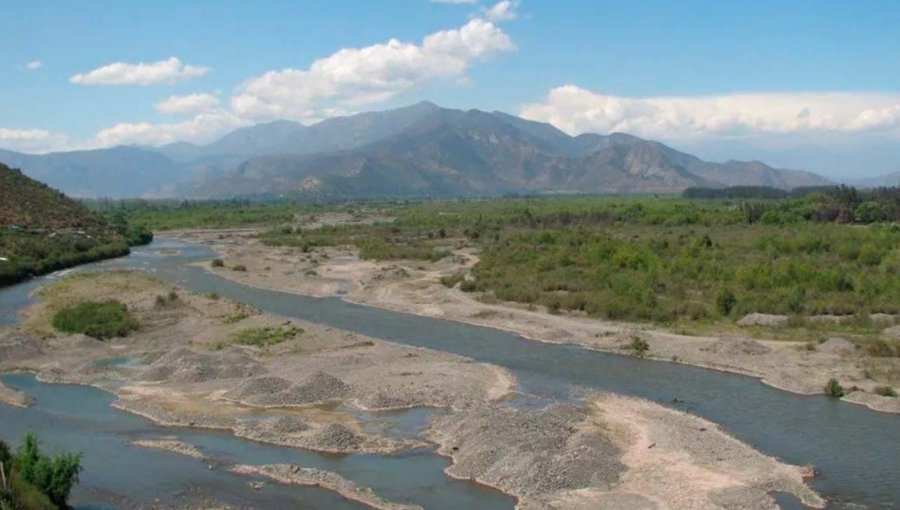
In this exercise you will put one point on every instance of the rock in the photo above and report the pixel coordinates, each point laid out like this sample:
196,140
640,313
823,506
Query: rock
764,319
837,345
738,346
892,332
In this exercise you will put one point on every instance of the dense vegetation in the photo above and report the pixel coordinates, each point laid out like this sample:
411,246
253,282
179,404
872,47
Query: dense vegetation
97,319
42,230
668,260
32,480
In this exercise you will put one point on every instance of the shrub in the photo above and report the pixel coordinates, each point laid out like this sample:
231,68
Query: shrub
725,301
885,391
217,263
35,481
265,336
98,319
172,296
639,347
239,267
214,296
159,302
834,389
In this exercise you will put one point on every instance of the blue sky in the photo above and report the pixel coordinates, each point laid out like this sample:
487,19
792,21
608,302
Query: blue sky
813,84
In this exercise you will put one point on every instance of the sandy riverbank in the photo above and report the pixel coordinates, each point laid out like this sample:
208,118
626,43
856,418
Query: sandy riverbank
414,287
184,368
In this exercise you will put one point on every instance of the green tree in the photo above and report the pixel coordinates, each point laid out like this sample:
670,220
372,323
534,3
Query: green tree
53,476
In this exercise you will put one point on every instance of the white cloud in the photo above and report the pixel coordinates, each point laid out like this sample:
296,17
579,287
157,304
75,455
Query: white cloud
730,116
31,140
201,128
504,10
360,76
34,65
187,105
124,73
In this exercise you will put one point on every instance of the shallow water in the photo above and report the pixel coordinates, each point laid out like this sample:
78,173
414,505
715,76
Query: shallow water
856,450
79,418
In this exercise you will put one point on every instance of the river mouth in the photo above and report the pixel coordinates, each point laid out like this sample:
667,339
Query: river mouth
857,451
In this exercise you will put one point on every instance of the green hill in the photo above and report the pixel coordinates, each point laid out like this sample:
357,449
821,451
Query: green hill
42,230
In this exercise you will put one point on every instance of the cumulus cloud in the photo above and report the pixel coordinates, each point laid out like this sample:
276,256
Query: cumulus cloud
501,11
359,76
187,105
201,128
34,65
31,140
577,110
124,73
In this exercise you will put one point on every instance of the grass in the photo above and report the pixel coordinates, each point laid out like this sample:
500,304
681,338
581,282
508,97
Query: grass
265,336
97,319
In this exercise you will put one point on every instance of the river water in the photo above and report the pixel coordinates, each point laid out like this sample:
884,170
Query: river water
856,450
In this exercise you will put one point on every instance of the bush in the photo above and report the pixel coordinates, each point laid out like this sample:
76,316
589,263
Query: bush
639,347
885,391
239,267
450,281
725,301
35,481
265,336
834,389
217,263
98,319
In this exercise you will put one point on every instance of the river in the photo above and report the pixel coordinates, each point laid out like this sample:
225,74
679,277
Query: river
856,450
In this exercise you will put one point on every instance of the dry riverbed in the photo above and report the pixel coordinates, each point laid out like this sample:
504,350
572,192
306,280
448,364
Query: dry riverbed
186,367
414,287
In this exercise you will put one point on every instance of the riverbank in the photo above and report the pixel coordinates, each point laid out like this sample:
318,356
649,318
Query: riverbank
183,367
415,287
190,364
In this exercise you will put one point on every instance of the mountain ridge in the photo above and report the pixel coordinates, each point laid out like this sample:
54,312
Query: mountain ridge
417,150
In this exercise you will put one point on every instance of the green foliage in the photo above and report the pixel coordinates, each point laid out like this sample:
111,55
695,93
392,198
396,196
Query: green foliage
239,267
34,480
42,230
217,263
834,389
265,336
98,319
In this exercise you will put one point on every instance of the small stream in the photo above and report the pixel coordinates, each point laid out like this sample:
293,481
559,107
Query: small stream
856,450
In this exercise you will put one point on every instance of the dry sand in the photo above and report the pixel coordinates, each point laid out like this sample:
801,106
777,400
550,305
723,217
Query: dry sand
414,287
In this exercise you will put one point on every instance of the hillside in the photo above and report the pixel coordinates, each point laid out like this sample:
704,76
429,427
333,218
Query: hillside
475,153
42,230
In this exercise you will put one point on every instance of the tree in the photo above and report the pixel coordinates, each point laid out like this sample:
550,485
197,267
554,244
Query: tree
52,476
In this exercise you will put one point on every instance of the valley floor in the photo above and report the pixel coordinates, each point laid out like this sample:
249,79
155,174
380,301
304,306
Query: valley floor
415,287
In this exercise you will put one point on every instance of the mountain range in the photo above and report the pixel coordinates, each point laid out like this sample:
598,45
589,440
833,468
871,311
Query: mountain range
421,150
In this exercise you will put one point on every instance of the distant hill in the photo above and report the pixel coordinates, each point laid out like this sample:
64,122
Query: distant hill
887,180
115,172
452,152
42,230
416,151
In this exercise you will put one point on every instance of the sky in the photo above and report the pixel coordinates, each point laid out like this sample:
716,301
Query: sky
799,84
